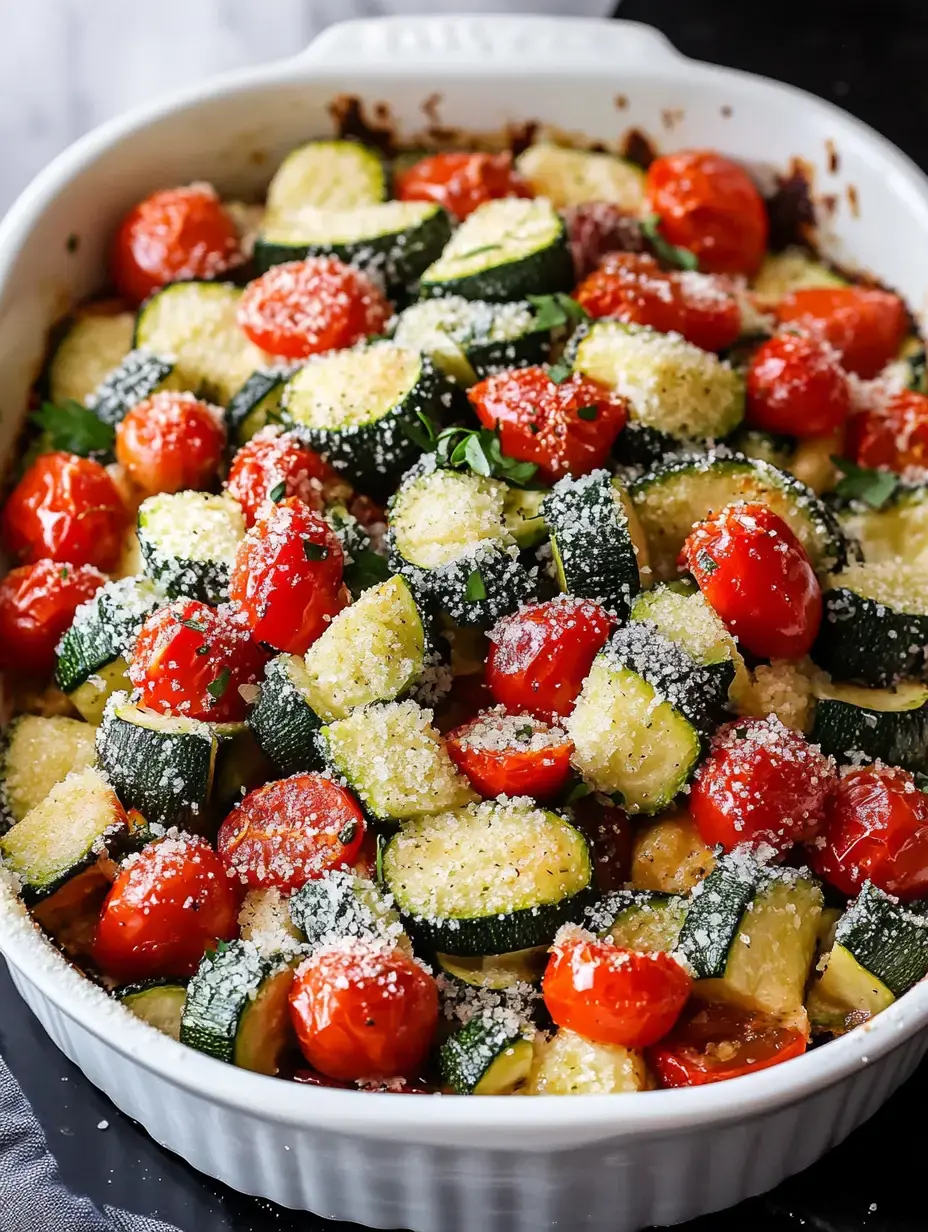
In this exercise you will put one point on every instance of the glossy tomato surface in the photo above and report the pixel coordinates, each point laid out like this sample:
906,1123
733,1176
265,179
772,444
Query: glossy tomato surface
171,441
37,605
460,181
796,386
865,326
892,433
511,755
274,466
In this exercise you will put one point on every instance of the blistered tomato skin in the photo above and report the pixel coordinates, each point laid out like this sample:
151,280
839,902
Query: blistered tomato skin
865,326
364,1012
757,576
287,576
612,995
796,386
762,784
511,755
65,508
287,832
876,829
893,434
37,605
274,466
175,234
171,441
167,906
460,181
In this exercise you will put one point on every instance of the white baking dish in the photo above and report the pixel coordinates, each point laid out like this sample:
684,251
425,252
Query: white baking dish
446,1164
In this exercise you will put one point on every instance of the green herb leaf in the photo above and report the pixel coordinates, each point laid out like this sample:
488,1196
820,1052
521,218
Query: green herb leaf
681,257
921,781
578,791
367,568
559,373
705,561
347,832
216,688
424,436
874,488
277,492
64,573
553,311
314,551
196,625
525,732
382,841
589,413
479,449
476,456
474,589
202,650
74,428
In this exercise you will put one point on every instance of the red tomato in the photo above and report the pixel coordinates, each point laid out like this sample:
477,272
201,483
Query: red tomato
304,307
362,1011
761,783
37,604
171,441
175,234
511,755
866,327
460,182
609,832
613,996
796,385
190,659
756,575
65,508
595,228
167,907
565,429
288,832
632,287
892,434
709,205
876,829
541,654
274,465
713,1041
287,576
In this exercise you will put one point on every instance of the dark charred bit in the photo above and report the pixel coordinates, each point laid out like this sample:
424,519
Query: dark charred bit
727,111
638,148
828,203
429,108
853,200
620,101
790,210
834,158
347,112
520,136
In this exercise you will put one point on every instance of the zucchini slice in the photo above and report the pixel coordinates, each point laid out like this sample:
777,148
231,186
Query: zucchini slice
488,879
594,540
394,760
340,905
497,971
90,349
875,626
35,754
669,855
283,720
855,724
237,1009
136,377
160,1004
196,323
568,1064
523,516
671,385
330,175
640,920
79,819
188,541
794,269
257,403
897,531
574,177
488,1056
674,496
505,250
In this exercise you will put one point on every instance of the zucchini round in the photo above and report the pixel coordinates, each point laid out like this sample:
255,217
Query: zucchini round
283,720
188,542
856,725
488,1056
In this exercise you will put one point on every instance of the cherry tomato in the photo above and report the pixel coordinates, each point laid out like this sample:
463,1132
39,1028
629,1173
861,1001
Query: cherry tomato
876,829
167,907
175,234
866,327
190,659
611,995
465,699
609,832
37,604
286,577
363,1011
709,205
304,307
756,575
511,755
66,508
565,429
713,1041
274,465
761,783
796,385
288,832
460,182
892,434
595,228
540,655
171,441
632,287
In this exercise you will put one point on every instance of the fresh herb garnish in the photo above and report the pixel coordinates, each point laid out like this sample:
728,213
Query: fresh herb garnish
705,562
202,650
277,492
681,257
479,449
921,781
216,688
347,832
872,487
525,732
367,568
425,435
578,791
73,428
196,625
63,573
314,551
559,373
378,858
474,589
589,413
553,311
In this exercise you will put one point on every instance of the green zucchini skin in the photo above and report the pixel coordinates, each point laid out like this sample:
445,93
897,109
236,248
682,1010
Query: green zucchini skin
340,905
205,578
138,376
284,723
887,938
506,582
644,920
714,914
899,738
160,1003
105,630
863,640
522,929
641,446
466,1058
256,404
218,995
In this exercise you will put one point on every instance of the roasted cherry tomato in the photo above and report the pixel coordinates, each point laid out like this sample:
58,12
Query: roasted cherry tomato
66,508
892,434
876,829
540,655
288,832
865,326
609,832
303,307
713,1041
756,575
611,995
190,659
37,604
761,783
168,906
363,1011
171,441
565,429
632,287
595,228
511,755
460,182
273,466
175,234
796,386
709,205
287,576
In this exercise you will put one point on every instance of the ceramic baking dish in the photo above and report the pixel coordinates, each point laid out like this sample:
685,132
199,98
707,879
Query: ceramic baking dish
448,1164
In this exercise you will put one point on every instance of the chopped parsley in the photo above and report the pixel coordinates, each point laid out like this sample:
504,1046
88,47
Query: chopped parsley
474,588
73,428
589,413
872,487
196,625
277,492
347,832
217,688
681,257
367,568
314,551
554,311
559,373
